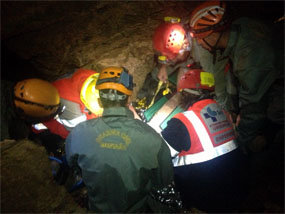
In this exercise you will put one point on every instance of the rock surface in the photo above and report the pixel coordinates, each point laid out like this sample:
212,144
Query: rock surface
27,184
58,37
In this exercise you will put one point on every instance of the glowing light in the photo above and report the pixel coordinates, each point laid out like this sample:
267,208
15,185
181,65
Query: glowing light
176,40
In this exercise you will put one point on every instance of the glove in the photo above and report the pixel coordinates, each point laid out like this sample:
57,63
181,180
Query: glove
59,168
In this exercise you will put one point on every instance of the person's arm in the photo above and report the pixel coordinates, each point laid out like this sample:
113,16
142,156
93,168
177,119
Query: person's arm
255,73
224,89
255,70
56,128
205,59
162,73
136,116
254,60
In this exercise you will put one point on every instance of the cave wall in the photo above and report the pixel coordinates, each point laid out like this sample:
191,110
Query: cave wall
47,39
27,184
58,37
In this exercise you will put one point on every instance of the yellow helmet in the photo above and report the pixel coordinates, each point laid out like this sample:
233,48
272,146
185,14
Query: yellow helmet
36,98
116,78
89,94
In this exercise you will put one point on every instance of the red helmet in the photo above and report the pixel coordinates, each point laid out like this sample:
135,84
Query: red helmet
168,39
196,79
207,18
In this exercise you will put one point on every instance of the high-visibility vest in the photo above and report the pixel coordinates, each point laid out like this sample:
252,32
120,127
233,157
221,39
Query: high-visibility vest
211,133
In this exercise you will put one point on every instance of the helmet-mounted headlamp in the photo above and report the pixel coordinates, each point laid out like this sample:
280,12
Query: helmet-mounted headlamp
171,39
125,79
163,60
117,78
171,19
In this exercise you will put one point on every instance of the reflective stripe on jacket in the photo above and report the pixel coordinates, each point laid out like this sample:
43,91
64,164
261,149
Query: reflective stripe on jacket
70,124
56,128
211,133
69,89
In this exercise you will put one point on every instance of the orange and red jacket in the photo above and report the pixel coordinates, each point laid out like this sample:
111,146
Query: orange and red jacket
69,89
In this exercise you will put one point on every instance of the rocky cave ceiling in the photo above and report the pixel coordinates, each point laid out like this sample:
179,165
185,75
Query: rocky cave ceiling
48,39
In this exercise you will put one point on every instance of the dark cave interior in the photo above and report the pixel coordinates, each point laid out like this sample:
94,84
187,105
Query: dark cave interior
37,43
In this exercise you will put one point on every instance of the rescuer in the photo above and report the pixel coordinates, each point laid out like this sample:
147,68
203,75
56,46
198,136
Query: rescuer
79,102
209,167
175,53
172,46
24,103
78,97
125,165
175,50
255,85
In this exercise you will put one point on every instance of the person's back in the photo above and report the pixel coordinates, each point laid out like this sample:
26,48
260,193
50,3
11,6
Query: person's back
126,161
122,160
252,91
209,167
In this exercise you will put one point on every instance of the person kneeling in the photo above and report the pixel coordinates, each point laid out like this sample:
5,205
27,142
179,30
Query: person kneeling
209,168
125,164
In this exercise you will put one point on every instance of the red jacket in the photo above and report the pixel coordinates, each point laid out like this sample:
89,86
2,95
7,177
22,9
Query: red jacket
211,133
69,89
